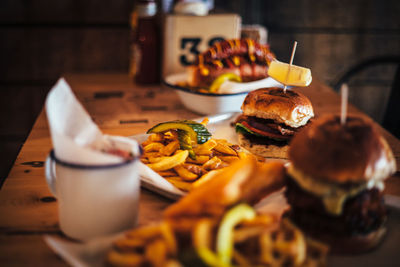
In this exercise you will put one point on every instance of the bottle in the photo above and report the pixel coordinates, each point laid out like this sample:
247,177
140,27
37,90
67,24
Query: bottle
145,54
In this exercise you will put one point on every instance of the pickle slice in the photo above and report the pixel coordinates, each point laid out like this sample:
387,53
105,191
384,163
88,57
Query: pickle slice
196,131
186,143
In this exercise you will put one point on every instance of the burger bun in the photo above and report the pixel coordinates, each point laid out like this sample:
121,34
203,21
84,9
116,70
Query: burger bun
291,107
266,151
351,153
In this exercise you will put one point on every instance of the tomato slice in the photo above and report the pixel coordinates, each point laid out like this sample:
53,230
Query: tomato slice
264,133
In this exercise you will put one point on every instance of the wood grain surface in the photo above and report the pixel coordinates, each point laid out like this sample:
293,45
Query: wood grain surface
27,208
42,39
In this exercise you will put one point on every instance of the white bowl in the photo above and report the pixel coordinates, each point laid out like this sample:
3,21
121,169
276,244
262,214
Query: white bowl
204,103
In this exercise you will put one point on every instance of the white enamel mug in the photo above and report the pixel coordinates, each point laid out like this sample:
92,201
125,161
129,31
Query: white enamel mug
94,200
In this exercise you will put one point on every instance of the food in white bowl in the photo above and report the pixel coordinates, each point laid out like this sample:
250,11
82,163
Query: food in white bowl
245,58
209,103
221,76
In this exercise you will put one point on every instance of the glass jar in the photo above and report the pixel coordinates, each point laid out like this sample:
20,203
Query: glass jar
145,48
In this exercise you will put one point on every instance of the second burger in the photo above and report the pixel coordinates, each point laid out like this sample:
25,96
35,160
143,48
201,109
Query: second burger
271,116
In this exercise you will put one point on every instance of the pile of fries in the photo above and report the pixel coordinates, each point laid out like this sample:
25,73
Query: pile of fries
232,235
162,153
257,241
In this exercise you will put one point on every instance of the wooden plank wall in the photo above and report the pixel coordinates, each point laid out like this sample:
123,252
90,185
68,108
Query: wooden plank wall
41,39
332,36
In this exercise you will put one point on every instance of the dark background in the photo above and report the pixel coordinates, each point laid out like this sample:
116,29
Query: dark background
42,39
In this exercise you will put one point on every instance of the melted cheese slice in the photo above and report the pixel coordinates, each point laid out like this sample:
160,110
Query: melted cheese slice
333,196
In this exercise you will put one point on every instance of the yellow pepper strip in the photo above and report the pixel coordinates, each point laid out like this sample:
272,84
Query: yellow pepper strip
202,242
223,78
225,232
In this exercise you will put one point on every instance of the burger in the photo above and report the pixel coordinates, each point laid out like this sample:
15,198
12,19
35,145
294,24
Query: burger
335,182
271,117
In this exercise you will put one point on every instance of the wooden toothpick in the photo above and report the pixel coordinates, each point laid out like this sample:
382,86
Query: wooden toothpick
344,91
290,65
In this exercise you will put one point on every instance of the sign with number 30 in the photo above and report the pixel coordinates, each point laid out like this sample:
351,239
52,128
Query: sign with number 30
185,37
190,49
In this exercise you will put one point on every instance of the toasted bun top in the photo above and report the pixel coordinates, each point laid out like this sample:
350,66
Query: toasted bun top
291,108
351,153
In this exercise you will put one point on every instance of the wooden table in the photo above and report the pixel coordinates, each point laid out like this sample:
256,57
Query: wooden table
27,208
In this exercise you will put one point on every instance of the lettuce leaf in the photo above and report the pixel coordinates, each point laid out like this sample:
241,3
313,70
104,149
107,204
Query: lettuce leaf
240,128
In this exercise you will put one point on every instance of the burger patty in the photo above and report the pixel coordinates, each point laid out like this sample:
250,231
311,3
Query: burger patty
268,125
361,214
261,140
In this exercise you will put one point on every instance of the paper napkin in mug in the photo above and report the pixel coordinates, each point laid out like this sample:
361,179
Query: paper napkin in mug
76,138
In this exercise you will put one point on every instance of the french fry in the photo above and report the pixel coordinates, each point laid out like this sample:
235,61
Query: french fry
124,259
225,149
169,173
244,155
144,160
209,175
264,220
146,233
155,137
205,121
177,181
170,148
212,164
153,147
297,246
173,263
170,162
129,244
200,159
182,224
156,253
151,154
185,174
196,169
228,159
205,149
179,151
245,233
163,154
171,135
169,238
154,159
